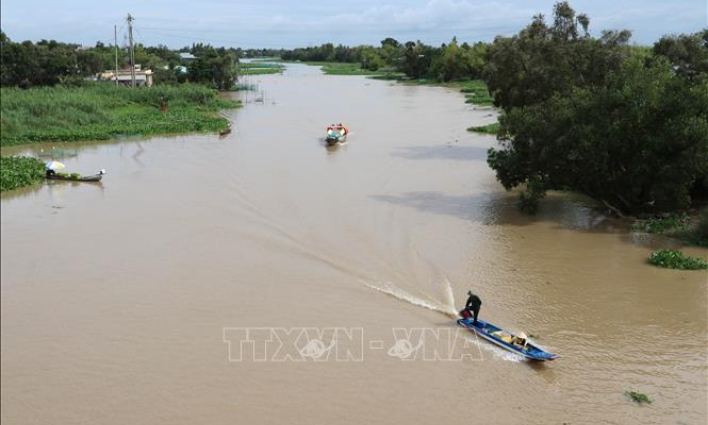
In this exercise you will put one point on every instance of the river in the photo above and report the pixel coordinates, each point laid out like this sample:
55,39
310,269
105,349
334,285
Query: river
120,300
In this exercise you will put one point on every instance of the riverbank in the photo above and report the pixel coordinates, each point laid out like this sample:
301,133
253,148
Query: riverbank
101,112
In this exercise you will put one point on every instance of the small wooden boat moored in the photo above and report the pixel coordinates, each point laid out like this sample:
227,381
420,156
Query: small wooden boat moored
64,177
506,340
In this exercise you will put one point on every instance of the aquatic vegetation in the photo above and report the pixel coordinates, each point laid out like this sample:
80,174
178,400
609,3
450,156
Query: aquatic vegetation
477,93
103,111
674,259
260,71
662,224
19,171
345,68
492,128
691,230
638,397
259,68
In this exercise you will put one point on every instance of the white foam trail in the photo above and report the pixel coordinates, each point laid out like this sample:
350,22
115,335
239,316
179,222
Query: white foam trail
498,353
393,290
449,295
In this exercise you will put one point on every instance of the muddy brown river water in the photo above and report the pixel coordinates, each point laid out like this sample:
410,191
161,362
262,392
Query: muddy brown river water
129,301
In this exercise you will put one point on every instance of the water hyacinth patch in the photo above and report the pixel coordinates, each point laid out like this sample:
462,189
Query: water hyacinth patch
674,259
638,397
17,171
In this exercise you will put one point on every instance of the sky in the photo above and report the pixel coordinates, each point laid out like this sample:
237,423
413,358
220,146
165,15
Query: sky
302,23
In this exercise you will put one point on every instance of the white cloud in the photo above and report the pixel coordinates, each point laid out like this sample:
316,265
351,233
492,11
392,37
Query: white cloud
443,17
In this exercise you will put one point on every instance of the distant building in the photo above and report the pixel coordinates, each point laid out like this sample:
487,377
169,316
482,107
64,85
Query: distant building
187,57
143,77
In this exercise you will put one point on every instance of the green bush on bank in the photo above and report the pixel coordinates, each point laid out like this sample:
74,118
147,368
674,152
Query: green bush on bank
103,111
674,259
16,172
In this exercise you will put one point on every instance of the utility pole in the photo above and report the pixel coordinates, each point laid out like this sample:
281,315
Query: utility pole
132,51
115,44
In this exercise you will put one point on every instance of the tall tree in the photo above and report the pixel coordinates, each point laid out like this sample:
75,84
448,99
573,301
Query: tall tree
592,115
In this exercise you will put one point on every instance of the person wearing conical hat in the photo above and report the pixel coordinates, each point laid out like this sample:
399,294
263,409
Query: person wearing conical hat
520,339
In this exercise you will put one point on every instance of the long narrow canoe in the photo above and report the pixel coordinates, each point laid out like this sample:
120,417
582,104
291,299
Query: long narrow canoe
504,339
94,178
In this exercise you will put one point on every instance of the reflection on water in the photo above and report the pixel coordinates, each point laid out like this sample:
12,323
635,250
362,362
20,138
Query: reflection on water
116,294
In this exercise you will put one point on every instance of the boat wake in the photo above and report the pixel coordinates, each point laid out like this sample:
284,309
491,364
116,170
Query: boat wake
498,353
447,308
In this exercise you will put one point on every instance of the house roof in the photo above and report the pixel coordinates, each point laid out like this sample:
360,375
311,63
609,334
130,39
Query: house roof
187,56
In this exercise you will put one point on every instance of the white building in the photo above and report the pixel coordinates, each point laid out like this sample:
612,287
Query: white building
143,78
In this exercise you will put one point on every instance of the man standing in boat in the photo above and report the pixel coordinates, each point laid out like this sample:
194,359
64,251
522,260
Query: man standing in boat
473,304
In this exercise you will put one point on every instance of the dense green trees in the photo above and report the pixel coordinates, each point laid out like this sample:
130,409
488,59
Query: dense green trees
626,126
30,64
218,69
414,59
48,63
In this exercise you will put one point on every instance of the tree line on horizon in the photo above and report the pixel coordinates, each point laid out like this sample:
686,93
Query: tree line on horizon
48,62
417,60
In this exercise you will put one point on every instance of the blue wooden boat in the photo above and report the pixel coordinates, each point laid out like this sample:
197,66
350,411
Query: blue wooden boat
506,340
